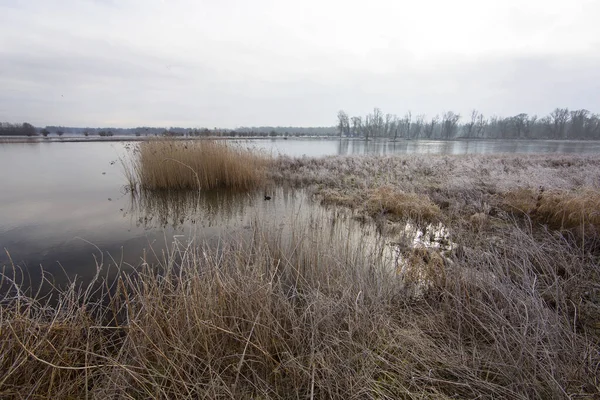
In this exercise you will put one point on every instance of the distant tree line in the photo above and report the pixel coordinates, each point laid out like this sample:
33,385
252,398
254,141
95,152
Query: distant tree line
559,124
286,131
263,131
24,129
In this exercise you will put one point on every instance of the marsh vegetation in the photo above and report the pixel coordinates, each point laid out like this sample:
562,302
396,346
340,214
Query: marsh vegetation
184,165
422,277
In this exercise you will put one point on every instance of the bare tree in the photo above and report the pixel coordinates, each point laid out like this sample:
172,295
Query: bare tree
418,126
377,122
24,129
559,118
592,128
28,129
529,124
430,128
394,126
471,126
387,127
579,119
504,127
560,124
406,123
480,125
519,123
368,126
449,124
356,126
343,123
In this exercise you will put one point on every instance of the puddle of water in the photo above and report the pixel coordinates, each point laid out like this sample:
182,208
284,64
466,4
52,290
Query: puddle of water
413,253
420,255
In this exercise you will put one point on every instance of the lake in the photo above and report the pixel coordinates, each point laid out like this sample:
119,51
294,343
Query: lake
65,206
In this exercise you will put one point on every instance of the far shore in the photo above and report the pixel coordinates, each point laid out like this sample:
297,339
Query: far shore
80,139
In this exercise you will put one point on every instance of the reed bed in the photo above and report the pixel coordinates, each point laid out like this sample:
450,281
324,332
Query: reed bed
194,164
320,313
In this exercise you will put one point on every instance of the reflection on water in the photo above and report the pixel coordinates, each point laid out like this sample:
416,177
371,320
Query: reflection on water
152,210
150,221
181,210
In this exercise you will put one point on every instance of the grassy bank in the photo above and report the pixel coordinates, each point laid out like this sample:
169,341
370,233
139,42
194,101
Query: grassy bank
339,308
201,164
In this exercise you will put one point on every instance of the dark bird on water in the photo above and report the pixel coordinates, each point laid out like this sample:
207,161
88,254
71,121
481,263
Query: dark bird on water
267,197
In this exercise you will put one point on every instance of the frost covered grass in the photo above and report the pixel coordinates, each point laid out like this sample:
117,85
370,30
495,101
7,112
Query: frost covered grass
467,172
197,164
463,188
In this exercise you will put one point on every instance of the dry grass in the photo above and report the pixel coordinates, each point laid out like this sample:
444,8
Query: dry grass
520,200
198,164
395,204
571,210
314,315
576,211
422,269
384,202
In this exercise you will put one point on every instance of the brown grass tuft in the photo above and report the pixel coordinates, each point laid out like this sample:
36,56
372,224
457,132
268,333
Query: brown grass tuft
391,202
424,266
568,210
578,211
519,200
478,221
198,164
338,197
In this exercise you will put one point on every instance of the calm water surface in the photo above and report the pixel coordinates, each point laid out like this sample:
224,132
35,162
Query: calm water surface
64,206
319,148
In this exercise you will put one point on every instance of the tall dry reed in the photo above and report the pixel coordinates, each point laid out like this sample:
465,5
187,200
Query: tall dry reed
197,164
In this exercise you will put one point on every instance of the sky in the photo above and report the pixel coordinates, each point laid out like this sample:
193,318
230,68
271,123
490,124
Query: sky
232,63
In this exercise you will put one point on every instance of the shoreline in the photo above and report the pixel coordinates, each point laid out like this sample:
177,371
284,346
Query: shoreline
80,139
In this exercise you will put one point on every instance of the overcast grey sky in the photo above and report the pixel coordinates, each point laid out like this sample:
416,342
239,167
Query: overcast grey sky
230,63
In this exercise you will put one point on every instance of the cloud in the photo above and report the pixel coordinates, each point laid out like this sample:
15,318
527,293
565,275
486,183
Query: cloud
232,63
